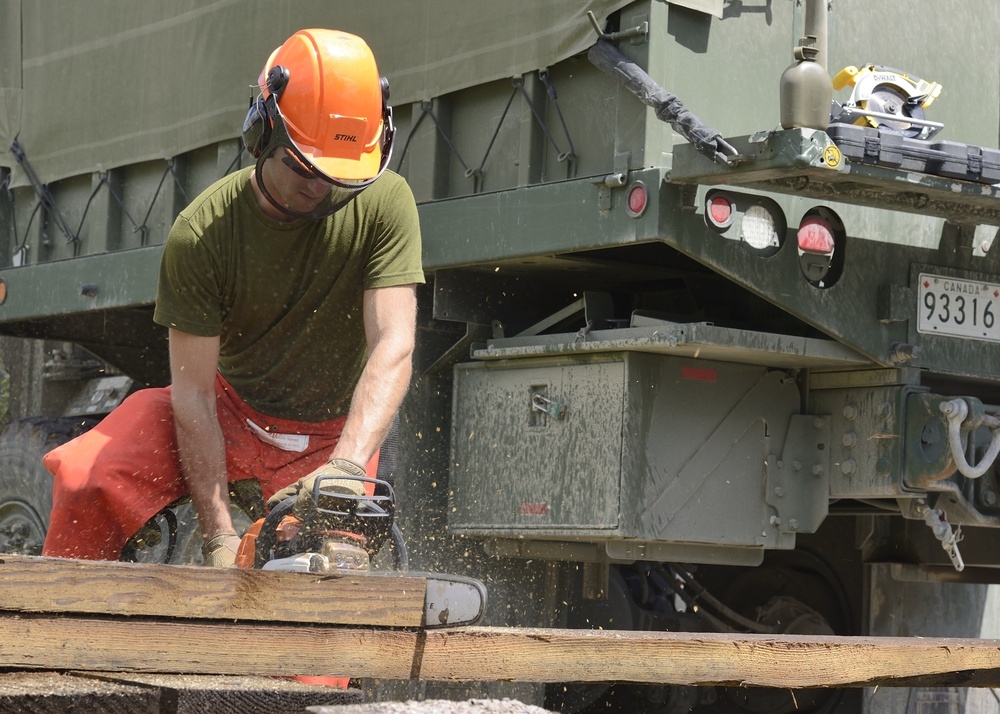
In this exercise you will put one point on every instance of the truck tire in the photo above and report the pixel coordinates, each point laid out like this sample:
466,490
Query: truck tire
26,497
25,484
172,536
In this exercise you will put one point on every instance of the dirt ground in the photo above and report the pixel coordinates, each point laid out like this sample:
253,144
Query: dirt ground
435,706
61,692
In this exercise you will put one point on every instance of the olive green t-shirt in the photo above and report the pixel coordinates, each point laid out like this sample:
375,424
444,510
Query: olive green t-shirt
286,298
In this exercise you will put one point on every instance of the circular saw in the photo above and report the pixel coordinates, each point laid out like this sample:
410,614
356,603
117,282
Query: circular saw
887,99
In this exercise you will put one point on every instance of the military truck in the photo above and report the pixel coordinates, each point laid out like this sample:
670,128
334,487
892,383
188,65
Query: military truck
689,358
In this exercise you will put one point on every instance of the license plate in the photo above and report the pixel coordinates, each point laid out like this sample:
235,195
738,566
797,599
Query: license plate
958,308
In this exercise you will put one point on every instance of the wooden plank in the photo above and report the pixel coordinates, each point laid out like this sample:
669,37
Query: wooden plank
56,585
484,654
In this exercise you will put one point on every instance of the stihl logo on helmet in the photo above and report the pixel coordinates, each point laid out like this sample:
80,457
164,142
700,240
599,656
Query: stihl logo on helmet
345,137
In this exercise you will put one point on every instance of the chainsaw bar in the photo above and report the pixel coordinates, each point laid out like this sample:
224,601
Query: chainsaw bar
452,600
449,600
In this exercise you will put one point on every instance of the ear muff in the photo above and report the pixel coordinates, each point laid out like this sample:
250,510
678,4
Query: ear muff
256,128
257,123
388,128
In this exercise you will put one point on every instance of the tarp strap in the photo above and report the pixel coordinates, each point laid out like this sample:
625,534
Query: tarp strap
478,174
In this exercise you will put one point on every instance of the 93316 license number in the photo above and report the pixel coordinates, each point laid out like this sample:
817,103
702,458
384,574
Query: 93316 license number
958,308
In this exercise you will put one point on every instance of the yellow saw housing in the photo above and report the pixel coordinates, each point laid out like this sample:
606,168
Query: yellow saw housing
888,98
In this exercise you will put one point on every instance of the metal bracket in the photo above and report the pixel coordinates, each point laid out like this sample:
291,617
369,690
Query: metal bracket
639,31
798,483
616,179
595,306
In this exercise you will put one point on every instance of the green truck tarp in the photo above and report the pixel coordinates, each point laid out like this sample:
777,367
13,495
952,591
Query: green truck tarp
51,72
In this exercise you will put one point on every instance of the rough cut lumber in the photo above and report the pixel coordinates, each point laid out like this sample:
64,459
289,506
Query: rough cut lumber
59,615
56,585
484,654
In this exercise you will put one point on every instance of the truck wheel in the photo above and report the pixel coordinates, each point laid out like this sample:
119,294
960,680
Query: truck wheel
25,484
173,537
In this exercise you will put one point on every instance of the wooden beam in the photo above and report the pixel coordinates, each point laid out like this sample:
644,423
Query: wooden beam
57,585
485,654
60,614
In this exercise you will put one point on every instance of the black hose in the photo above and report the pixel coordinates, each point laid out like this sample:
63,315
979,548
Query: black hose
667,106
702,594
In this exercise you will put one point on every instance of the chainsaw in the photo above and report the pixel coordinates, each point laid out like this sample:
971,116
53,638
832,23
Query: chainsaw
332,533
329,531
887,99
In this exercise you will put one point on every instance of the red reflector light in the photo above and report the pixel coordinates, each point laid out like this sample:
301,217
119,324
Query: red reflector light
636,200
698,374
720,211
815,236
535,509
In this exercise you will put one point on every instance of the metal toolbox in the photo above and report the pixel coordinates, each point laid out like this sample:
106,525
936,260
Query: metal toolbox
882,147
626,449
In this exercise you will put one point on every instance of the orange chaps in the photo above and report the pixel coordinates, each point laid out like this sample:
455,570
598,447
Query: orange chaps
112,479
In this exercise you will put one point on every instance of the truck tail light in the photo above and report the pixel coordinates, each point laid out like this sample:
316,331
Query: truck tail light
719,210
756,221
821,244
815,235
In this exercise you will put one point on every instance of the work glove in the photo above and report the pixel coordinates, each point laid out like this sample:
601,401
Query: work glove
304,486
219,551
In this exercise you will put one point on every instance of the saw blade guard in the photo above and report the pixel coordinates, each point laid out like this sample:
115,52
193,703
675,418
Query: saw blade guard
887,98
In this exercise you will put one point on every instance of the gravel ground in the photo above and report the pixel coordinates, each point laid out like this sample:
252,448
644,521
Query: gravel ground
434,706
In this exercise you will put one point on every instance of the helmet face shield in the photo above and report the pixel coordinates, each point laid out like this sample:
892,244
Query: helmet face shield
293,185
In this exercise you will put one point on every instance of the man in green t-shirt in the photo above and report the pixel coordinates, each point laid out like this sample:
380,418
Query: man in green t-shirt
288,291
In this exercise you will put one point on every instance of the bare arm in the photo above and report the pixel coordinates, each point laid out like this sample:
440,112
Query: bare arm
193,364
390,321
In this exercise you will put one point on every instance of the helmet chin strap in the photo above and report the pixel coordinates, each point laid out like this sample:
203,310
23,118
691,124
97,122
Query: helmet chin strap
259,178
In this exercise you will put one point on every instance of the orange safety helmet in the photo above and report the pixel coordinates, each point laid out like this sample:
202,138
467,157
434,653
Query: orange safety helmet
323,99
